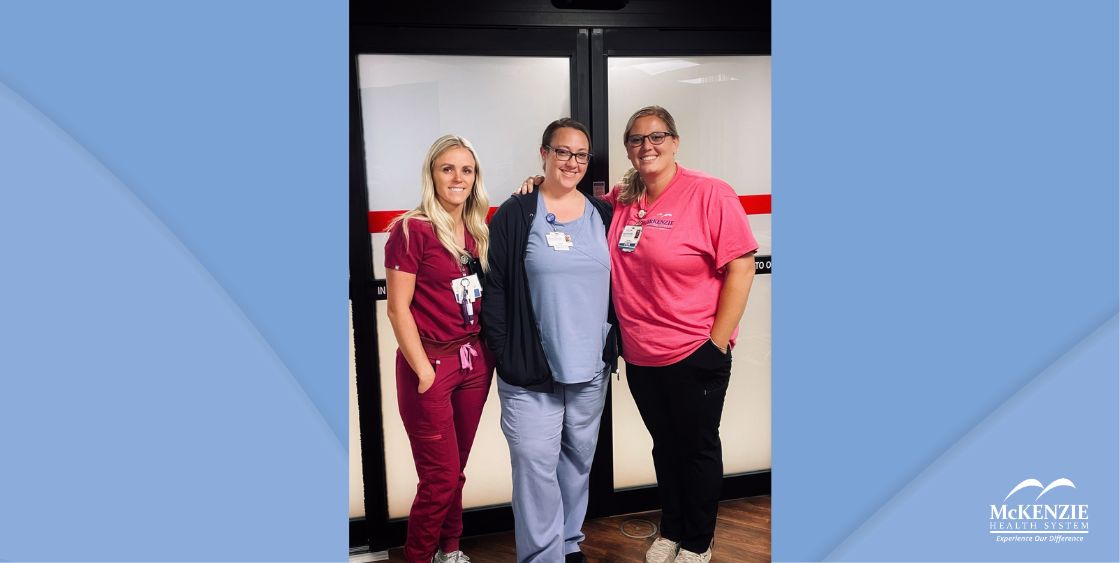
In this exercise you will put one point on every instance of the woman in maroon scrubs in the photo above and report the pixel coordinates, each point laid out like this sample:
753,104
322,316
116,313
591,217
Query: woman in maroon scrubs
434,258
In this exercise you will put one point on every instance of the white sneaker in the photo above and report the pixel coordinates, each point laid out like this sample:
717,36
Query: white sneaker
662,551
456,556
686,556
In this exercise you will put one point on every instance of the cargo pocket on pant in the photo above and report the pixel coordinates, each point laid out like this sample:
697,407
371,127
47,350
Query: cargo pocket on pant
714,384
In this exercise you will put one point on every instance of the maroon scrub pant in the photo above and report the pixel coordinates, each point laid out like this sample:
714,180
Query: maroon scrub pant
441,425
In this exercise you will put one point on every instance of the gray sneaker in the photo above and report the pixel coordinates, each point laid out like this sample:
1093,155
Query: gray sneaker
662,551
453,557
686,556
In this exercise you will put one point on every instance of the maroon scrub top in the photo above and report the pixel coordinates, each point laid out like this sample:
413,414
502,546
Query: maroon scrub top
433,305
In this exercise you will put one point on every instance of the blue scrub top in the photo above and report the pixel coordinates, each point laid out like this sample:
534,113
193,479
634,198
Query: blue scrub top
569,291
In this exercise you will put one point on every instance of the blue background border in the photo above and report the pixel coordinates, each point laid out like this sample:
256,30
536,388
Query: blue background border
945,203
174,194
172,210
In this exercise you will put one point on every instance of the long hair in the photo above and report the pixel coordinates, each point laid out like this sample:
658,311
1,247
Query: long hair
632,185
429,209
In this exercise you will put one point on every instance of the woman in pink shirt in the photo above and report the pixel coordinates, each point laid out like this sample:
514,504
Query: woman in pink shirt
681,269
682,265
433,260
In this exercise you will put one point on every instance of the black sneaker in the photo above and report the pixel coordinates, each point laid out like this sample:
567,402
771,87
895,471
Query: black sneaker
575,557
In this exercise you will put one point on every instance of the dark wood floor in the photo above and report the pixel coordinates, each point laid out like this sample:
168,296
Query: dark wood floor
742,536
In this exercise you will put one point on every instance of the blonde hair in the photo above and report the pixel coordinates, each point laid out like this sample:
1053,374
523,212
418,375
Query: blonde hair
631,183
429,209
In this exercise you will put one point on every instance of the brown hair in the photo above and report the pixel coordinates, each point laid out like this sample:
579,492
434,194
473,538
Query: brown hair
546,138
632,185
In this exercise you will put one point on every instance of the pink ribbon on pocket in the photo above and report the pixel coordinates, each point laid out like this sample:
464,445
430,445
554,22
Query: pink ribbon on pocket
466,353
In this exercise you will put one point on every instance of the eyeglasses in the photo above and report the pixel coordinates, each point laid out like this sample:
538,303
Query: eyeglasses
566,155
655,138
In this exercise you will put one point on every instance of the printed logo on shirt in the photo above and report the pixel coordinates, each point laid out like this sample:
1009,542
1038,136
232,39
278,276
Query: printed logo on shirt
662,221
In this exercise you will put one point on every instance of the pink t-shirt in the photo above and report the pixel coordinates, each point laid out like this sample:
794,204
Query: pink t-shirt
433,303
666,291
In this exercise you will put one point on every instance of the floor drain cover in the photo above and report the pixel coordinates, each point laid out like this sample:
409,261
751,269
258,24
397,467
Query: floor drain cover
638,528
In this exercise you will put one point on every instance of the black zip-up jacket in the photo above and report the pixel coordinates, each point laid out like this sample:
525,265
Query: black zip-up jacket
509,325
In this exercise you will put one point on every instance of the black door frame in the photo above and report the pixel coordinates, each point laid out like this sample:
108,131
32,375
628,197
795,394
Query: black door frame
587,39
381,532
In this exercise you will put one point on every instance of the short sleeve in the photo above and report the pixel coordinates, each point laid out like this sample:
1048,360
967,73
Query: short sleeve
401,254
728,226
611,197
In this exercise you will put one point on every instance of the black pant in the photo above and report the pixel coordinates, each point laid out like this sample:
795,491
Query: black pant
681,405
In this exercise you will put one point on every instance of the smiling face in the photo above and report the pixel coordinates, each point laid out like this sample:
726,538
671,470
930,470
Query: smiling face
652,160
453,175
565,174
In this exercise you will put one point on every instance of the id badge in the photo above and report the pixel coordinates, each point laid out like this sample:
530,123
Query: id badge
629,239
558,240
466,287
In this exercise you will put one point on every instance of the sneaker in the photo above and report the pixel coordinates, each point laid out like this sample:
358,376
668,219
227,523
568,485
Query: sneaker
686,556
453,557
662,551
575,557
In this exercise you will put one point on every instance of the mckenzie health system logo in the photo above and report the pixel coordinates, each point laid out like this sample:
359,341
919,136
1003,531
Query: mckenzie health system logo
1028,519
660,221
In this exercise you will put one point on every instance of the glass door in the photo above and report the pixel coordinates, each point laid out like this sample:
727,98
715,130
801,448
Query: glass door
407,102
717,87
722,108
412,89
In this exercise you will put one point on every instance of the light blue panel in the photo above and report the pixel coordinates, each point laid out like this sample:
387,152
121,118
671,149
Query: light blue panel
228,120
1053,428
173,317
945,205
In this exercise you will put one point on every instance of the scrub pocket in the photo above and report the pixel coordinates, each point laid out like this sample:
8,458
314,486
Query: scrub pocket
508,396
710,370
708,357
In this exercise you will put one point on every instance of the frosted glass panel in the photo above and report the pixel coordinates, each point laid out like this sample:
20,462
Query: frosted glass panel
500,104
722,109
357,488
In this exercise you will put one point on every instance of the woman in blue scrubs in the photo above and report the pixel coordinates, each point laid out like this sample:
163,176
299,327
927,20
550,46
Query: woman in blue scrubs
549,322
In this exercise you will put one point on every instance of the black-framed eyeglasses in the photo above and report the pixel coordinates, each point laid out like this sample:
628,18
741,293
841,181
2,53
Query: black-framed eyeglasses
655,138
566,155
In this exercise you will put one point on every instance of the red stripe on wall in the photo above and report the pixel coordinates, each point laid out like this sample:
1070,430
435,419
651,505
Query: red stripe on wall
752,204
756,204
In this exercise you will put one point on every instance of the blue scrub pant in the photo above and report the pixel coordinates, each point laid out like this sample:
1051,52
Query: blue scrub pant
552,439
